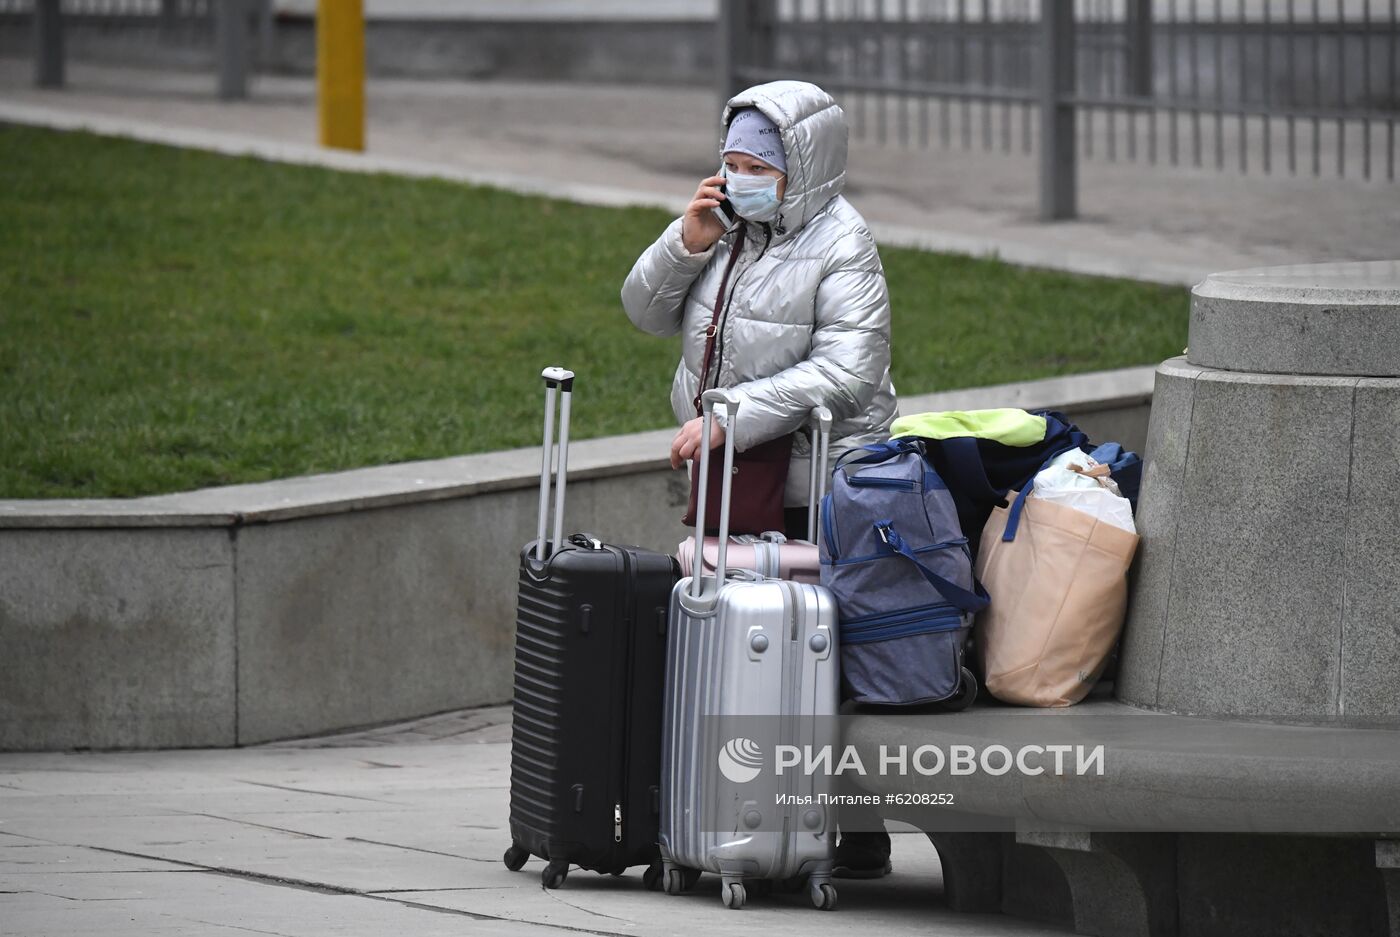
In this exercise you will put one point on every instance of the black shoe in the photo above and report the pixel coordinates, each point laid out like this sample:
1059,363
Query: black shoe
862,855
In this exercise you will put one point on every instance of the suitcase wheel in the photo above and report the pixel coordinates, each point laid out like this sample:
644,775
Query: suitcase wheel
675,881
967,692
651,878
734,895
515,857
824,897
554,874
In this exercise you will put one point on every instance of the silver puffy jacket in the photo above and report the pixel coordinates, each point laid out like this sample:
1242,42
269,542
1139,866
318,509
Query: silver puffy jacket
807,314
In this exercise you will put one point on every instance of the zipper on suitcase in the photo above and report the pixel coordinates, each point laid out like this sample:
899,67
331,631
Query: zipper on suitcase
630,623
792,679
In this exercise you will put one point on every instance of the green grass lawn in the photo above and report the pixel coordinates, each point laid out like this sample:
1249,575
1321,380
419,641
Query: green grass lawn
172,319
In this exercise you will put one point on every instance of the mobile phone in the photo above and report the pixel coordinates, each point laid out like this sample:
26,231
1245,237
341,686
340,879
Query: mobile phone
725,212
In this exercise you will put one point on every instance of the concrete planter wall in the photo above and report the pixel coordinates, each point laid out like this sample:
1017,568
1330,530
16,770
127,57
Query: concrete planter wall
237,615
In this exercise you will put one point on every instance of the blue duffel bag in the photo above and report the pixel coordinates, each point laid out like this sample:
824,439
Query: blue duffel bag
896,560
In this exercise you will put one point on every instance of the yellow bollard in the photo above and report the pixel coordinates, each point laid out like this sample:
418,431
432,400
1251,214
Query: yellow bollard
340,72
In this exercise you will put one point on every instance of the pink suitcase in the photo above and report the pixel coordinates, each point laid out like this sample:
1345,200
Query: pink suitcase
772,555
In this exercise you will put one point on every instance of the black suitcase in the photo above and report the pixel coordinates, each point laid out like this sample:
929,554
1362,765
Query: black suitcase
590,658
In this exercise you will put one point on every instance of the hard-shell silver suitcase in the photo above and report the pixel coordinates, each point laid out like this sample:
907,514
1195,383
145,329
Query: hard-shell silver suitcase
747,650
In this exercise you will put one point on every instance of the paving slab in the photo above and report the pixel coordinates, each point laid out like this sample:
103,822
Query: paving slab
396,829
206,903
20,857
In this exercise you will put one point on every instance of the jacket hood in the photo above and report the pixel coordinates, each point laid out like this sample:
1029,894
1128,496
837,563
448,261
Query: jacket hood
814,134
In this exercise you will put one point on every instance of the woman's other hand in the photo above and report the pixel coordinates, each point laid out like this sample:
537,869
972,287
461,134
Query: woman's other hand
686,445
699,226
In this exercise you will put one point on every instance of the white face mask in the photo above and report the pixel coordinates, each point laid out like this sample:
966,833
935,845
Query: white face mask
754,197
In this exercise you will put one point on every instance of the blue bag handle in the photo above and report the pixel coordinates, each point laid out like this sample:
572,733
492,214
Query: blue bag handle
1013,518
879,452
1076,438
970,602
964,467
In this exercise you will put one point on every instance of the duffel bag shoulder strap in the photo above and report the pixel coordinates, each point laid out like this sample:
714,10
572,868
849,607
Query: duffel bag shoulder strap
970,602
963,467
879,452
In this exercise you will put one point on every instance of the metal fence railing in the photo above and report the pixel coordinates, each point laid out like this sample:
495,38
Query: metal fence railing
170,13
231,34
1271,86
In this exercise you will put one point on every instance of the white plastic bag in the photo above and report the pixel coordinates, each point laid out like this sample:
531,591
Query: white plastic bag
1096,496
1060,473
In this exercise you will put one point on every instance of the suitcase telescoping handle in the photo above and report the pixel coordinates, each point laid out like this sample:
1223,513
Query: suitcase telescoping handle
714,402
556,381
816,479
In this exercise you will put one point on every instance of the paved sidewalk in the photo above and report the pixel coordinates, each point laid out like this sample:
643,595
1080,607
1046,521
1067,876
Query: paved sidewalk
397,830
651,144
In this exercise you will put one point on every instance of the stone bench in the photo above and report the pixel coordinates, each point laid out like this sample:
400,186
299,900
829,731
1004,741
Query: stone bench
1171,827
1252,747
1162,772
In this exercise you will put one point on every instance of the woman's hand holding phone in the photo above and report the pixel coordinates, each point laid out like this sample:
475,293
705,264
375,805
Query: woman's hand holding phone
700,227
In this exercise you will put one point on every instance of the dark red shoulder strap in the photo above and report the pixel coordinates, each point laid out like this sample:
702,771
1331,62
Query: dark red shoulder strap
710,333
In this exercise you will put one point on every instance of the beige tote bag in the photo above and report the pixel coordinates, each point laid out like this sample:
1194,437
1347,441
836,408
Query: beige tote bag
1059,593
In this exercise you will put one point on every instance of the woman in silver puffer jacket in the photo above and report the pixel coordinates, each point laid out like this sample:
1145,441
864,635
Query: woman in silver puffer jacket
806,315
